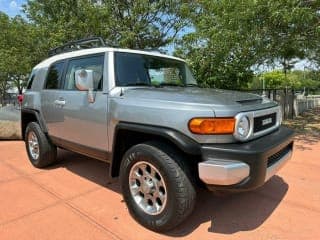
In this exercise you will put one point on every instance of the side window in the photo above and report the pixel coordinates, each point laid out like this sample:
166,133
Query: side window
94,63
54,75
30,81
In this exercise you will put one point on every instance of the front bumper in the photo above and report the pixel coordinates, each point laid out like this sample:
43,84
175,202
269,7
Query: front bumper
245,166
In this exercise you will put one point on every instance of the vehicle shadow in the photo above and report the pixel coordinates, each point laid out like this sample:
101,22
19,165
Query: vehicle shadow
223,214
305,142
235,212
91,169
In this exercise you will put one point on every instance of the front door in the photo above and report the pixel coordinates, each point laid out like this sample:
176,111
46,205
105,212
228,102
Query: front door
70,116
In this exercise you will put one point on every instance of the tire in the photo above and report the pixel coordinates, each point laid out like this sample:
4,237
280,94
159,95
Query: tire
47,152
177,195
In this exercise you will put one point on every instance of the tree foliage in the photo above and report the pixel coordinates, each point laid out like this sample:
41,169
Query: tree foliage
18,50
233,37
278,79
127,23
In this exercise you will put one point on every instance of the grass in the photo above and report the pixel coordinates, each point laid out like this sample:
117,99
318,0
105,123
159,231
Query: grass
9,130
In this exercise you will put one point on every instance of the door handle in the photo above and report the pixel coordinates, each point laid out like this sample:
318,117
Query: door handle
60,102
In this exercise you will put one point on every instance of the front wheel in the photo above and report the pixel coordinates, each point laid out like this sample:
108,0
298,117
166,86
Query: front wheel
155,186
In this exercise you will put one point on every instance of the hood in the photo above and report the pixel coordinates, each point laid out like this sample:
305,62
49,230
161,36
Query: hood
190,95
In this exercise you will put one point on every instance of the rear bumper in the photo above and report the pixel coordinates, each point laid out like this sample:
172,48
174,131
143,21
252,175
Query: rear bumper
245,166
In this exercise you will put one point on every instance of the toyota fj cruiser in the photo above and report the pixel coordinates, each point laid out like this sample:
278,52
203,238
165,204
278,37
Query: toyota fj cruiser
143,113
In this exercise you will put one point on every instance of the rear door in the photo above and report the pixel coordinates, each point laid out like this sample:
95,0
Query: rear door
50,110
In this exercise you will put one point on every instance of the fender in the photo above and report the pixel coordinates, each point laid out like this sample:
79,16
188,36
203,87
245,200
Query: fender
183,142
36,114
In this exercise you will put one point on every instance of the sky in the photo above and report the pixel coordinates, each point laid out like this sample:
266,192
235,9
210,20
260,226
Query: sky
11,7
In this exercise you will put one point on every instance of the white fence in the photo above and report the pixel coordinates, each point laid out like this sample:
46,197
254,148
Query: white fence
303,103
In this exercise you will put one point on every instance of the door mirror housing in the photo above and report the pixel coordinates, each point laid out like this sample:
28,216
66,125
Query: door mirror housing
84,82
84,79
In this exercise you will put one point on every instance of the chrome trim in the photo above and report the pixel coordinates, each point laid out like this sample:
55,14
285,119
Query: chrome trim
277,166
33,145
251,116
223,172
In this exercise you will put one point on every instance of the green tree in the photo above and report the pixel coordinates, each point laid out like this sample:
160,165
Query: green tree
274,79
127,23
293,30
278,79
231,38
18,52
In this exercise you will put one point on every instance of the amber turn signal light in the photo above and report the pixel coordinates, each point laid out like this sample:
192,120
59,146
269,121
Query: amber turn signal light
212,125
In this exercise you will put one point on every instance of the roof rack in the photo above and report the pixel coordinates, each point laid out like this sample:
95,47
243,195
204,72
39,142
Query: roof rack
85,43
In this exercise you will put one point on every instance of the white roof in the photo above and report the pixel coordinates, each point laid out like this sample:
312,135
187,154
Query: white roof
46,63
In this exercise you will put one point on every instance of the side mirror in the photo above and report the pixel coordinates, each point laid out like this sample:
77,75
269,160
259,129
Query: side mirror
84,79
84,82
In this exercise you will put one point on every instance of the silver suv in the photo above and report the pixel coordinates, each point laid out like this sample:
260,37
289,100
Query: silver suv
143,113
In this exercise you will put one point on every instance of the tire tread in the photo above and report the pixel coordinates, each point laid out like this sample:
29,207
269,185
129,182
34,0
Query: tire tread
48,152
185,191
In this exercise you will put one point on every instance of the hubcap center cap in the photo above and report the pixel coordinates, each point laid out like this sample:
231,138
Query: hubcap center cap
147,186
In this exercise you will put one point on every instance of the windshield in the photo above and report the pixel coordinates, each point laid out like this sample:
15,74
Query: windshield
143,70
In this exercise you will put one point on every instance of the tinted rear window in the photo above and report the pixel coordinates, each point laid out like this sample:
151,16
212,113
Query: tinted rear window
54,76
30,81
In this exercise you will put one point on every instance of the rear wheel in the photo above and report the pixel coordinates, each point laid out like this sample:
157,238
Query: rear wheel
41,151
155,186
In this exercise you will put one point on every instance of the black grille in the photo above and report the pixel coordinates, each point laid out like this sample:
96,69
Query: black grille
277,156
260,124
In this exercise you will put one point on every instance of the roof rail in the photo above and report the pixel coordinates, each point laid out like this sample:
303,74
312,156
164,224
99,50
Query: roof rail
85,43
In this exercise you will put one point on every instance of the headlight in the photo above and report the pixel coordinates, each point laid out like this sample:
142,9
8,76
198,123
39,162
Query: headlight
242,129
